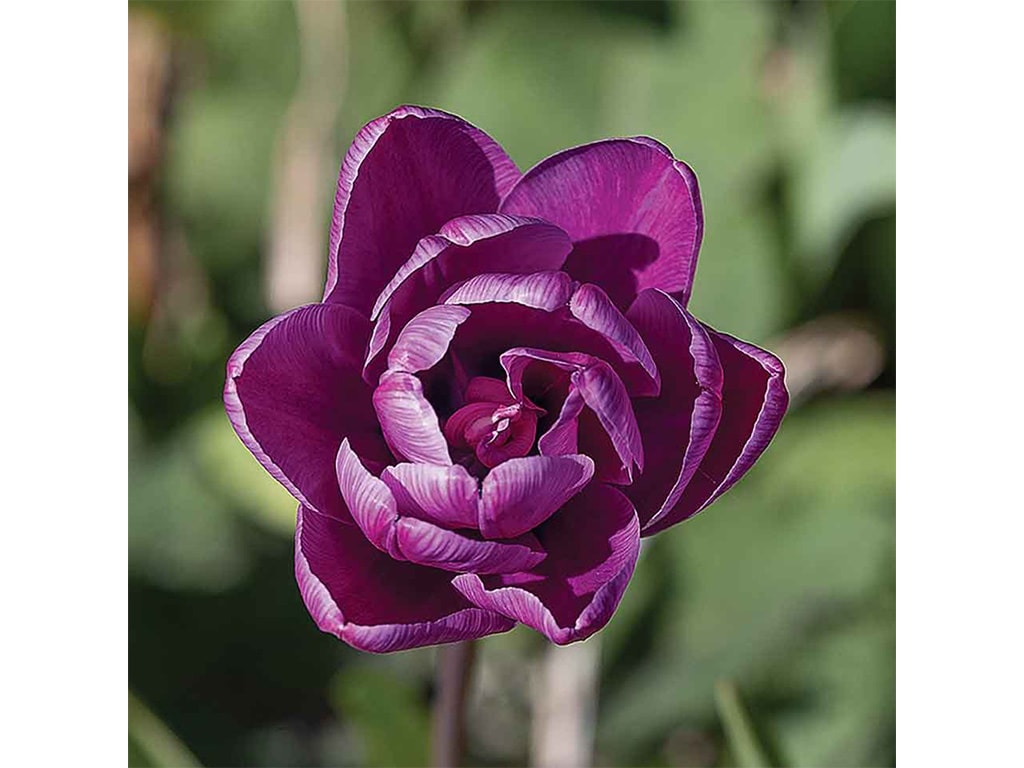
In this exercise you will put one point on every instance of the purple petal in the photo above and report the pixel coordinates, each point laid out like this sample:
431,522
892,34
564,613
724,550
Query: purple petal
633,212
540,290
754,400
466,246
404,176
427,544
292,394
425,339
408,421
592,545
678,426
592,307
447,496
369,501
360,595
522,493
563,436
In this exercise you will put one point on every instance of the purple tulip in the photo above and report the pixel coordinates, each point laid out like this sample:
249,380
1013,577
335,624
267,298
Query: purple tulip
502,390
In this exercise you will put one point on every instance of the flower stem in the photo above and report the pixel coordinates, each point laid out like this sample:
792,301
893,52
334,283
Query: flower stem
454,664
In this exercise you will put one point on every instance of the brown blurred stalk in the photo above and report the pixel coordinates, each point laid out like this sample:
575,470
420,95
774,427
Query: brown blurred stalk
304,158
454,666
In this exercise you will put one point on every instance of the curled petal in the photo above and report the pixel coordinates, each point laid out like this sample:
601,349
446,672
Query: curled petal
540,290
369,500
374,603
754,400
405,175
292,394
592,307
447,496
632,210
522,493
592,545
428,544
425,339
678,426
408,421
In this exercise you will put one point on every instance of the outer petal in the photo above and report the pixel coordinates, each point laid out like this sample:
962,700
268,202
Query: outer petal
360,595
293,392
592,546
424,341
447,496
633,212
465,247
520,494
404,176
408,421
679,425
754,400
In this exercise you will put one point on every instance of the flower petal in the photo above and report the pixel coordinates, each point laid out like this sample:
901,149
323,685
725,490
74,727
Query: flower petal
408,421
293,392
540,290
369,500
360,595
632,210
428,544
425,339
466,246
592,307
404,176
754,400
520,494
447,496
679,425
592,545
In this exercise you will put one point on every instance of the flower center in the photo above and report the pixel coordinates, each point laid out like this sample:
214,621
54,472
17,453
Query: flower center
492,427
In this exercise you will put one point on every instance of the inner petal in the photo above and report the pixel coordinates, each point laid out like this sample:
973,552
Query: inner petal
493,427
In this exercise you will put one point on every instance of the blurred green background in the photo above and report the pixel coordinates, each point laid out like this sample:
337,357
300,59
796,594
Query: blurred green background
239,115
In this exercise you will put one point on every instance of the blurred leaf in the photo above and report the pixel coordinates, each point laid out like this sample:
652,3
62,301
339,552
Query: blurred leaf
227,465
785,555
739,732
151,744
387,712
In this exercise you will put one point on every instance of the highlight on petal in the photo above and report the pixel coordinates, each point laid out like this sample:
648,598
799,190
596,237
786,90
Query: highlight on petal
293,392
374,603
404,176
540,290
408,420
425,339
592,545
522,493
754,400
679,425
632,210
592,307
428,544
447,496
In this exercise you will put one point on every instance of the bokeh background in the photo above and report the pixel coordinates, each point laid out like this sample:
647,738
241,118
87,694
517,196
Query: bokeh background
239,115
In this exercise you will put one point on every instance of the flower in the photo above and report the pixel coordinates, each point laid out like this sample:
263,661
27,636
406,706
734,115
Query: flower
502,390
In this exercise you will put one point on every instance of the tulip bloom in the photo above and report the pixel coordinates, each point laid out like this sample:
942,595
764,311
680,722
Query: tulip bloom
501,391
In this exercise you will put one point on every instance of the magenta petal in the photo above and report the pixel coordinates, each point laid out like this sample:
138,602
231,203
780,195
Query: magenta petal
592,545
754,400
605,395
520,494
292,394
404,176
369,501
425,339
678,427
360,595
447,496
408,421
633,212
563,436
428,544
592,307
540,290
